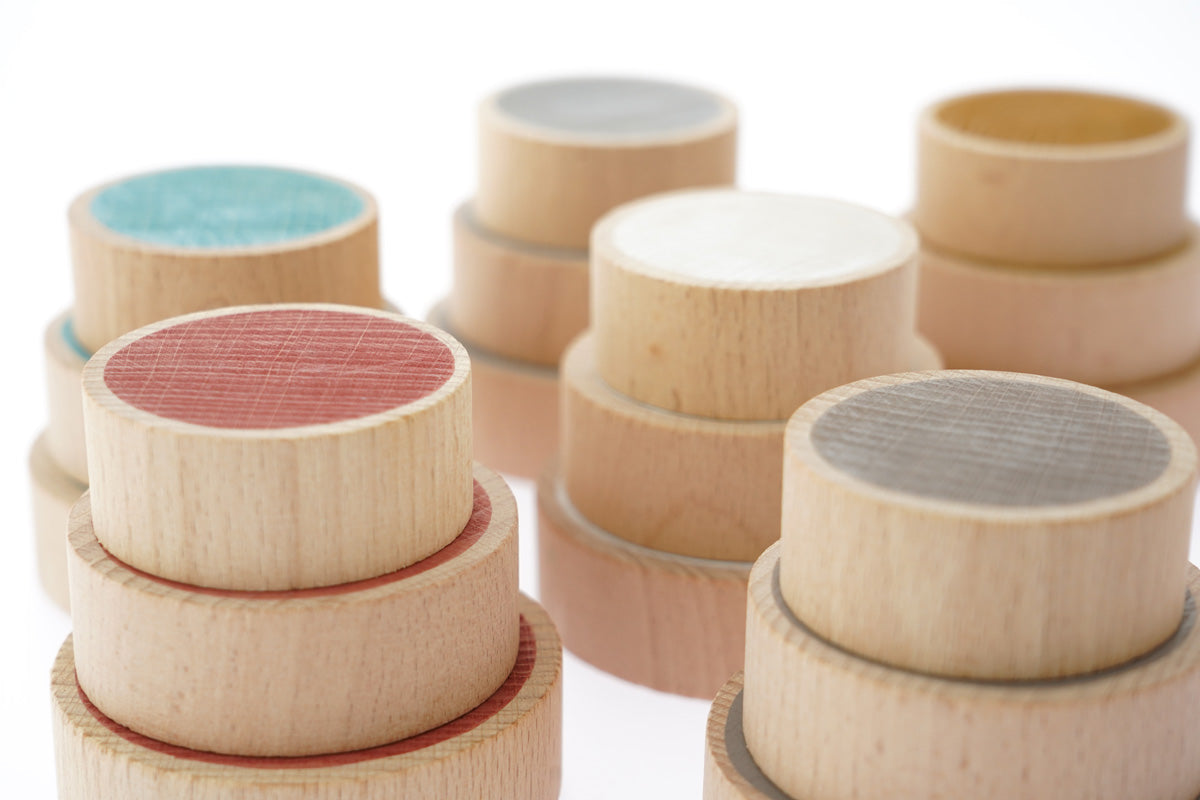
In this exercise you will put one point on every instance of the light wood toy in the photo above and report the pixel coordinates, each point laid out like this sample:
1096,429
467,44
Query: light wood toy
166,243
54,492
1029,676
555,156
271,670
1043,177
65,358
672,506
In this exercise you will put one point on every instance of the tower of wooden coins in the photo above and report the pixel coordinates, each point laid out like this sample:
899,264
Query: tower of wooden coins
715,314
166,243
982,591
287,579
554,156
1055,241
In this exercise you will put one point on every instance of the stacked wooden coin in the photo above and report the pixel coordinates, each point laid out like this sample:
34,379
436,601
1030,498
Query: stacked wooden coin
715,313
554,156
167,243
287,579
982,591
1055,241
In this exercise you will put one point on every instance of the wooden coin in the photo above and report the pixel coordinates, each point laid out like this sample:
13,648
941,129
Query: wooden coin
730,772
306,671
157,245
54,492
738,305
508,748
684,484
514,408
670,622
555,155
65,358
516,300
1104,326
974,523
822,722
347,429
1037,177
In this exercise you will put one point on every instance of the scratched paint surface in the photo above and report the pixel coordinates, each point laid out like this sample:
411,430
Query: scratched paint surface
279,368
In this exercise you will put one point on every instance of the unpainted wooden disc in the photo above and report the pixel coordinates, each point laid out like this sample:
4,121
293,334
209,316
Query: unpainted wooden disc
53,494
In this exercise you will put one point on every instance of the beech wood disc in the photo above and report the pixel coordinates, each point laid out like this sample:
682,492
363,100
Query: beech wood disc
670,622
822,722
740,305
1024,499
1039,177
730,772
516,300
54,492
508,748
304,671
65,358
157,245
514,408
347,428
556,155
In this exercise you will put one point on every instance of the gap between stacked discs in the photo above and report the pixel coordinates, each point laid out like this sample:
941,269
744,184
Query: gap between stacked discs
287,578
715,314
982,590
554,156
161,244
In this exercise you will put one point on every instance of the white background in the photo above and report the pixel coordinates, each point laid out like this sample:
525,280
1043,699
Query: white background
384,95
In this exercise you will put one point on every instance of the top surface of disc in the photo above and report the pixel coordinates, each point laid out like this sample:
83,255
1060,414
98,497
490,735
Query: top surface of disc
279,368
610,106
224,206
743,239
992,441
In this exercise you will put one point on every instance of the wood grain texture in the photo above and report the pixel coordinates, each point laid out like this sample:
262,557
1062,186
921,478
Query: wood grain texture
307,671
1039,177
123,283
546,179
738,305
65,358
823,723
514,408
666,621
1104,326
508,748
974,524
683,484
1176,394
319,504
730,772
516,300
53,493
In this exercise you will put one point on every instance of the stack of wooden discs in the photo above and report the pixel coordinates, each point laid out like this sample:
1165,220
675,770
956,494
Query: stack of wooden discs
982,591
715,314
287,579
167,243
1055,241
554,157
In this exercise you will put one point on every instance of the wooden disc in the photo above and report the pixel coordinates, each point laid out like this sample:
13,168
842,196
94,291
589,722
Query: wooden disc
347,428
738,305
54,492
306,671
1104,326
508,748
555,155
974,523
1039,177
514,408
157,245
516,300
684,484
730,772
1176,394
65,358
670,622
822,722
